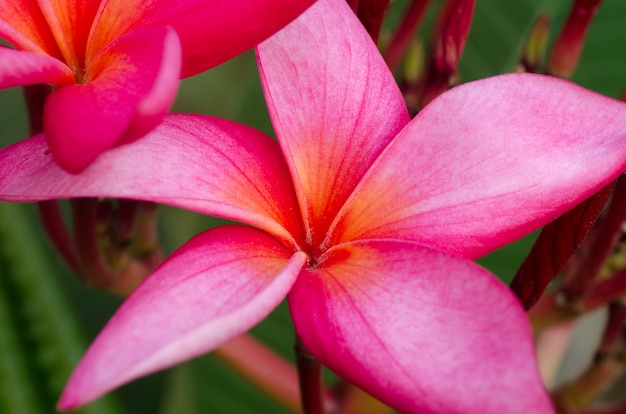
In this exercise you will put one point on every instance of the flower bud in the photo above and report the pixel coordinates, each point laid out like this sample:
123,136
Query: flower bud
535,47
568,47
453,31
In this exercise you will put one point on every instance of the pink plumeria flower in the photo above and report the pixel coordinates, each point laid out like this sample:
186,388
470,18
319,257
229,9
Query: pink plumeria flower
366,220
115,65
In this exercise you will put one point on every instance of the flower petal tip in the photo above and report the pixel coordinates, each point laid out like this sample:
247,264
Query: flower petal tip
68,402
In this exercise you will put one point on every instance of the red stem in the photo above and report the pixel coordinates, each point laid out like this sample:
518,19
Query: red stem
35,97
310,377
612,337
262,368
57,233
606,290
85,218
402,37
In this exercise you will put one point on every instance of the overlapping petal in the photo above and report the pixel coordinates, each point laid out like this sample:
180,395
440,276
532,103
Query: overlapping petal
70,22
126,91
218,285
419,329
23,24
19,68
489,162
126,57
211,31
205,164
333,115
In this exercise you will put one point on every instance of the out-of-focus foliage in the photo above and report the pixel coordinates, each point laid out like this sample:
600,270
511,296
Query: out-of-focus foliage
47,316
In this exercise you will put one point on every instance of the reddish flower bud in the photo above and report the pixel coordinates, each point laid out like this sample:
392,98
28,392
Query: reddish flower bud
569,45
453,31
371,13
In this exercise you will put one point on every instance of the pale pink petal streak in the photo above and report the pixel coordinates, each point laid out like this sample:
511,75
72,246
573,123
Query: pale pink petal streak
205,164
218,285
489,162
422,331
211,31
139,70
334,114
19,68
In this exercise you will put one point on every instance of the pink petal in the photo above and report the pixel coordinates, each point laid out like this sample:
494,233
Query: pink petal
218,285
18,68
70,22
422,331
211,31
23,25
126,92
333,102
489,162
209,165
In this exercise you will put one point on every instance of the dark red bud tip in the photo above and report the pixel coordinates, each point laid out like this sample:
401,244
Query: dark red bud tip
454,28
568,47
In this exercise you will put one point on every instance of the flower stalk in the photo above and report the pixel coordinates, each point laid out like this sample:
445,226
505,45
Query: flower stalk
262,368
310,379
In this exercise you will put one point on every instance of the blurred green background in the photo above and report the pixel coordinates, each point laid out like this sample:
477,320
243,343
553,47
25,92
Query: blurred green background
47,317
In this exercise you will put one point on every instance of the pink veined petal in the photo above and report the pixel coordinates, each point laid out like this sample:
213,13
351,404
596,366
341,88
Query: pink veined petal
489,162
19,68
23,25
333,102
70,22
211,31
204,164
422,331
218,285
127,90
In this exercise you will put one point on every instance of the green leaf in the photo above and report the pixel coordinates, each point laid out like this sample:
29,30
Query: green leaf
602,66
42,337
17,392
498,34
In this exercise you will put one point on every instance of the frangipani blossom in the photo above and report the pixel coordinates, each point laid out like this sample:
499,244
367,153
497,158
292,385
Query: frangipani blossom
366,220
115,65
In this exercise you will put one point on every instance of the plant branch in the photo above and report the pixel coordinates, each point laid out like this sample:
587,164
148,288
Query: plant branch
310,377
262,368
